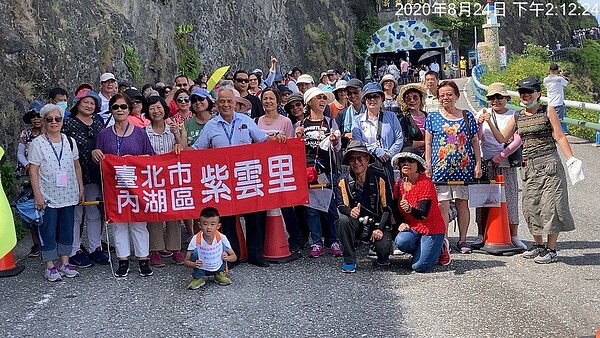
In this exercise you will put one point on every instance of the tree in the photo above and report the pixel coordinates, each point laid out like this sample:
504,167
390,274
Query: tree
458,20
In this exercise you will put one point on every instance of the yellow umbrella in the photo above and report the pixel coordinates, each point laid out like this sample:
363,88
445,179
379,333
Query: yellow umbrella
216,77
8,237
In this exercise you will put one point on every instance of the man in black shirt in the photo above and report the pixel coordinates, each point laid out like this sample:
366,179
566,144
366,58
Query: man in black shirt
240,82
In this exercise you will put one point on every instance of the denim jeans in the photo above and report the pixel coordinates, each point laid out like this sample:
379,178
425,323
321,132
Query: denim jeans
426,249
313,219
199,273
56,233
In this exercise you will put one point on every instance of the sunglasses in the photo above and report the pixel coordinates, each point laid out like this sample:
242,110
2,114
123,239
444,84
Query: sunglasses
296,104
181,85
242,80
183,99
195,99
495,97
353,159
56,119
119,106
372,97
407,160
352,92
525,91
321,97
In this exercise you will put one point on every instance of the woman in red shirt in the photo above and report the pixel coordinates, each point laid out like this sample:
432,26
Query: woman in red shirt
422,227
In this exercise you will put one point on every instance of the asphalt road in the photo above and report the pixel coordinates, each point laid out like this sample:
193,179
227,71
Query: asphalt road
477,295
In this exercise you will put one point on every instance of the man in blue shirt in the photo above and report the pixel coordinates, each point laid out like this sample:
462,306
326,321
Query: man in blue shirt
230,129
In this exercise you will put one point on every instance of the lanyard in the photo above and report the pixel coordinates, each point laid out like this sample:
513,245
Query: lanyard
62,145
229,135
119,139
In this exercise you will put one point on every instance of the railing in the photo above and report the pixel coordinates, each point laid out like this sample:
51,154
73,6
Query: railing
480,89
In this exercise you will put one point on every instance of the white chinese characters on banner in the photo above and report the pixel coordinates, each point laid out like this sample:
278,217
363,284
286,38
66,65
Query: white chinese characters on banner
248,179
212,179
125,198
125,176
181,199
182,171
156,200
281,169
152,180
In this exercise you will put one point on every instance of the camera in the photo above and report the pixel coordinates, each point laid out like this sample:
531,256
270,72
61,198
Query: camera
368,223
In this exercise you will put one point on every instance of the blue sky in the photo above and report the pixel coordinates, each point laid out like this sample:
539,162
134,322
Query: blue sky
591,4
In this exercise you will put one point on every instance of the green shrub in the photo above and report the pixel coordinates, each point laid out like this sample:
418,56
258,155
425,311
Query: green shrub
187,55
132,61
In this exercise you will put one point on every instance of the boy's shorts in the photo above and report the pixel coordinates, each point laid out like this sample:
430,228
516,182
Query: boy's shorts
449,192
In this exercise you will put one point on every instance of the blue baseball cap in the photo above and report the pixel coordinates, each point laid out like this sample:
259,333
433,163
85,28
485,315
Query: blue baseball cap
202,93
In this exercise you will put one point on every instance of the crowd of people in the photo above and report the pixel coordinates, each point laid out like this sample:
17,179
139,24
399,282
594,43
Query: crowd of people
389,143
407,72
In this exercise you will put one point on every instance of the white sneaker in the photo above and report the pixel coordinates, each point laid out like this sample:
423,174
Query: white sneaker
517,242
68,270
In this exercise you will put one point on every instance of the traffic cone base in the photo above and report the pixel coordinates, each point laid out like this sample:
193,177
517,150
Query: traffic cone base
276,245
497,232
7,266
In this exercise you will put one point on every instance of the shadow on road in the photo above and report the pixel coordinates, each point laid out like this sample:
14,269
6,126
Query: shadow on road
583,260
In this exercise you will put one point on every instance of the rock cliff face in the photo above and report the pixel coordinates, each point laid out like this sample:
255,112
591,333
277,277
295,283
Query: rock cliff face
51,42
46,43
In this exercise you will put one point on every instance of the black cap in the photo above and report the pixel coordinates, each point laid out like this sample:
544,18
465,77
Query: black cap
358,147
553,66
529,83
356,83
133,94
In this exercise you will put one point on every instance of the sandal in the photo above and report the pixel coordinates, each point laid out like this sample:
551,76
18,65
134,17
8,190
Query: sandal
463,247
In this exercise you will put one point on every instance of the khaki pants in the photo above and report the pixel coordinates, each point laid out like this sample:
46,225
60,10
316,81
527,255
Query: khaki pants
171,241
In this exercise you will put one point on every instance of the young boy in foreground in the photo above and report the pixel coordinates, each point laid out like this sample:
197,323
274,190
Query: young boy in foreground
209,251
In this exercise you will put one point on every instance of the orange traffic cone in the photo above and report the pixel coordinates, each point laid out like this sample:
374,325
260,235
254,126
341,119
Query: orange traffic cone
598,333
8,267
241,239
497,233
276,245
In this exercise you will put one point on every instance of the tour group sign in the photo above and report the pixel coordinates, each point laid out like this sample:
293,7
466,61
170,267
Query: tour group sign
235,180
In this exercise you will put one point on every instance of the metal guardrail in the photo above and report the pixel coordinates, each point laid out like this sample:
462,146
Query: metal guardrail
480,89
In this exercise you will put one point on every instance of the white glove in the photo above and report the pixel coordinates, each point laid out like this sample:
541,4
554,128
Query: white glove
575,168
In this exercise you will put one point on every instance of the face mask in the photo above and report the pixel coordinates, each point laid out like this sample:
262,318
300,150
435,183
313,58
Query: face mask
62,104
530,105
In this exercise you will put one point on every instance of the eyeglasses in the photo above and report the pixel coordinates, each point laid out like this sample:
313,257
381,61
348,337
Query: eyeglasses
242,80
352,92
495,97
296,104
372,97
119,106
197,99
183,99
353,159
57,119
181,85
407,160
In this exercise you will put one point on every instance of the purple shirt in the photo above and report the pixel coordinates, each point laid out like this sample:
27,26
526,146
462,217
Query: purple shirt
135,144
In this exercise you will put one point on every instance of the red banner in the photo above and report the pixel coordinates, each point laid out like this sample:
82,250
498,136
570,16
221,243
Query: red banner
235,180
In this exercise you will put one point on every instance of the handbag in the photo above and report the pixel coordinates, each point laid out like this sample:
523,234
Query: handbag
515,159
311,174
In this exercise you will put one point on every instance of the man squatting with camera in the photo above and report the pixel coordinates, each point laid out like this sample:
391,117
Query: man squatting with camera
364,205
